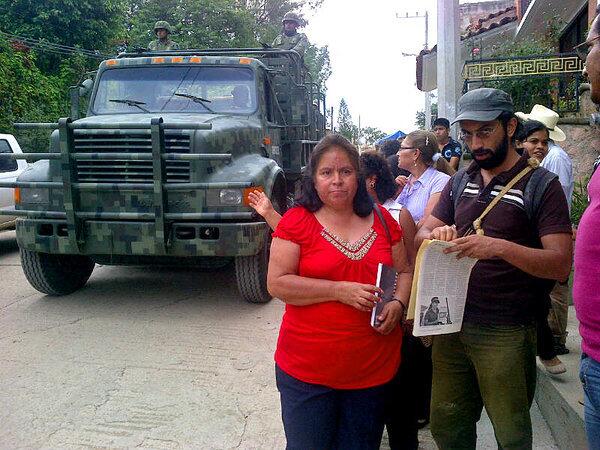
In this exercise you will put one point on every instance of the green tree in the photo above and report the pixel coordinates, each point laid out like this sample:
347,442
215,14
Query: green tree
345,125
196,23
420,116
318,63
371,135
89,24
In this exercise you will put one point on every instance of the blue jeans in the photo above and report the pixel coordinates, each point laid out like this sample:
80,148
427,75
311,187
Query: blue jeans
318,417
589,374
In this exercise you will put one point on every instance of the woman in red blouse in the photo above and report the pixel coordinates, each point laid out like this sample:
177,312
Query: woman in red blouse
332,367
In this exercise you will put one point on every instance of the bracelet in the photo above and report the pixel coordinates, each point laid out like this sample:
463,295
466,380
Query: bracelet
404,307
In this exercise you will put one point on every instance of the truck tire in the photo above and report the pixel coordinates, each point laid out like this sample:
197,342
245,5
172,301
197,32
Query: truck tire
56,274
251,271
251,274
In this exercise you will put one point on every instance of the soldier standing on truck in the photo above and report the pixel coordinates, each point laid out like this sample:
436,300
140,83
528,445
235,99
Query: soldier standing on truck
290,39
162,30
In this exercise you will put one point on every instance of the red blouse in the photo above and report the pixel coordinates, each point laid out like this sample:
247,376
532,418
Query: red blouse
331,343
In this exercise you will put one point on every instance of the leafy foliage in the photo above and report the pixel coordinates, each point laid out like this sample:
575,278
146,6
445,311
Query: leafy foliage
371,135
196,23
34,83
580,200
90,24
345,125
420,116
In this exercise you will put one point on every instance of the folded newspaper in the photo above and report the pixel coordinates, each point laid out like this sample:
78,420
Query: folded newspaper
439,290
386,280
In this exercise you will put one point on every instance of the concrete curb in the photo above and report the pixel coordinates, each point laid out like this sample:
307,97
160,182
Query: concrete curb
558,396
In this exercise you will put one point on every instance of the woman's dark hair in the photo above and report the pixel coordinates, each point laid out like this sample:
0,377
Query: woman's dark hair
309,198
389,148
426,142
529,127
373,163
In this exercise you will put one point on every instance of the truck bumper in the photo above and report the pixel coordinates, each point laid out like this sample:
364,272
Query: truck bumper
138,238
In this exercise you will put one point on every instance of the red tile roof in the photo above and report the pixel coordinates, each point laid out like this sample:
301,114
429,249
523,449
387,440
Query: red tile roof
480,25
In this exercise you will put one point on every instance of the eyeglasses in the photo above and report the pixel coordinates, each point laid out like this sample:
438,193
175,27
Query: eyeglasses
583,49
481,134
408,148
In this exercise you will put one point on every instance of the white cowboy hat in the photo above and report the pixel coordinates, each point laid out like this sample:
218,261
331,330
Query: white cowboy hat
548,118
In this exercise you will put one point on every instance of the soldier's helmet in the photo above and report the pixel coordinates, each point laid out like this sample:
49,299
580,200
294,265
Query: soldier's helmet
162,24
291,17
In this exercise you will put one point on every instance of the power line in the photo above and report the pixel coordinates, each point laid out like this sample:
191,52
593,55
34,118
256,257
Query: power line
54,48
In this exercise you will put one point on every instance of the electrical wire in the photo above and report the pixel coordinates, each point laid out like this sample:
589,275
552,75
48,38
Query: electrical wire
57,49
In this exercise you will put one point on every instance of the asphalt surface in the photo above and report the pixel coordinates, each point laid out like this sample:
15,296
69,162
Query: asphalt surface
157,358
141,357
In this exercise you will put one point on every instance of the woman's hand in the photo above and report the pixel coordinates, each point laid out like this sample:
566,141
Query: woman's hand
390,317
260,202
358,295
401,180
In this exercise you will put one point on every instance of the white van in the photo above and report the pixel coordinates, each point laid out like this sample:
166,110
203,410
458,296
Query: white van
10,169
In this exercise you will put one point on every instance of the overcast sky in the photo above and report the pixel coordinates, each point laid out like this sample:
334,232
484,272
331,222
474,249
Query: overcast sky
366,41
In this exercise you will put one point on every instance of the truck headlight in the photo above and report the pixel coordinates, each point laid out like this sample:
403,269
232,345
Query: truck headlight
28,195
230,197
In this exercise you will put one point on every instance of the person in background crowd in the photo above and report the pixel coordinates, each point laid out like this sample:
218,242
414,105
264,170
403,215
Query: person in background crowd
419,195
534,139
290,39
491,360
449,148
422,189
389,149
162,30
586,282
332,367
556,161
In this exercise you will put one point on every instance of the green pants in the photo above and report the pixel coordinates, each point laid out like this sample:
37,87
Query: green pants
491,366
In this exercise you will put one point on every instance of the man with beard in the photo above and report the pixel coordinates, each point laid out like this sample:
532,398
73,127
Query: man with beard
290,39
491,361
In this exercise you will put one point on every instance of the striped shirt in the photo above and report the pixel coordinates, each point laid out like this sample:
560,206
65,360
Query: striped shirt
416,193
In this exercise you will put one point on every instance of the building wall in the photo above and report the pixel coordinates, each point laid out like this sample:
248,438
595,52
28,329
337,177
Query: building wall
583,141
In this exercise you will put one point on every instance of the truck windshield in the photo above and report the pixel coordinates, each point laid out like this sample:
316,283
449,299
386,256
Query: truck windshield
212,90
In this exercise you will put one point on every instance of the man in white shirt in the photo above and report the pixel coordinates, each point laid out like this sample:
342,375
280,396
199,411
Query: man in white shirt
558,162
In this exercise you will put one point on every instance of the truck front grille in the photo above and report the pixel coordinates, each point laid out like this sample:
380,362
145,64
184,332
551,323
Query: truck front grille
127,171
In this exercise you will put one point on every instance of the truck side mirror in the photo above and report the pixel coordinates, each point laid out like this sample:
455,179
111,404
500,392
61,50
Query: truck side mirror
85,87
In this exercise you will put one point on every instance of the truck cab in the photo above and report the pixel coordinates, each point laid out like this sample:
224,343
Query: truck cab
159,170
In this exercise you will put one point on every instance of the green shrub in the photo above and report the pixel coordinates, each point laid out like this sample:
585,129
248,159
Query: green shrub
580,200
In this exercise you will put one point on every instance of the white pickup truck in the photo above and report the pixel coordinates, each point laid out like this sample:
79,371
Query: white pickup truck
10,169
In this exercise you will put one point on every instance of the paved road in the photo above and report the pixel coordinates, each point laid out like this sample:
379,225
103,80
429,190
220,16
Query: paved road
143,357
149,358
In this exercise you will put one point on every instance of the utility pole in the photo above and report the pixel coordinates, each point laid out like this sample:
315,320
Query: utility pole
425,16
448,57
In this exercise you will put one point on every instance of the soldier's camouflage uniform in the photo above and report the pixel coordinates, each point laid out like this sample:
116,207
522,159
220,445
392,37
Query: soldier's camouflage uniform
158,45
297,42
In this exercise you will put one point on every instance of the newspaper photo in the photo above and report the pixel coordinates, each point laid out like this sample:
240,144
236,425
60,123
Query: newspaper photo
439,291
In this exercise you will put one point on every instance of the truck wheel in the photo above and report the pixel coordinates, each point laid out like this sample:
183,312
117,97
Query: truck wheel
56,274
251,274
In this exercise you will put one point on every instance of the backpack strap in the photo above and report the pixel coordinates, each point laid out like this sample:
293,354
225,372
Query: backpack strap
459,182
534,191
383,222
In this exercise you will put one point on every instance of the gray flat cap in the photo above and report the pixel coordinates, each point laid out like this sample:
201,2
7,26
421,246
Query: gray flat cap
483,105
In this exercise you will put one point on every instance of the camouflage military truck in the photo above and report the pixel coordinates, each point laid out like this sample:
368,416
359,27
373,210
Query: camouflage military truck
159,170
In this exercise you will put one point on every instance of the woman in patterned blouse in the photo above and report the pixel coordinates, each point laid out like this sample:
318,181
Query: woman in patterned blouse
332,367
